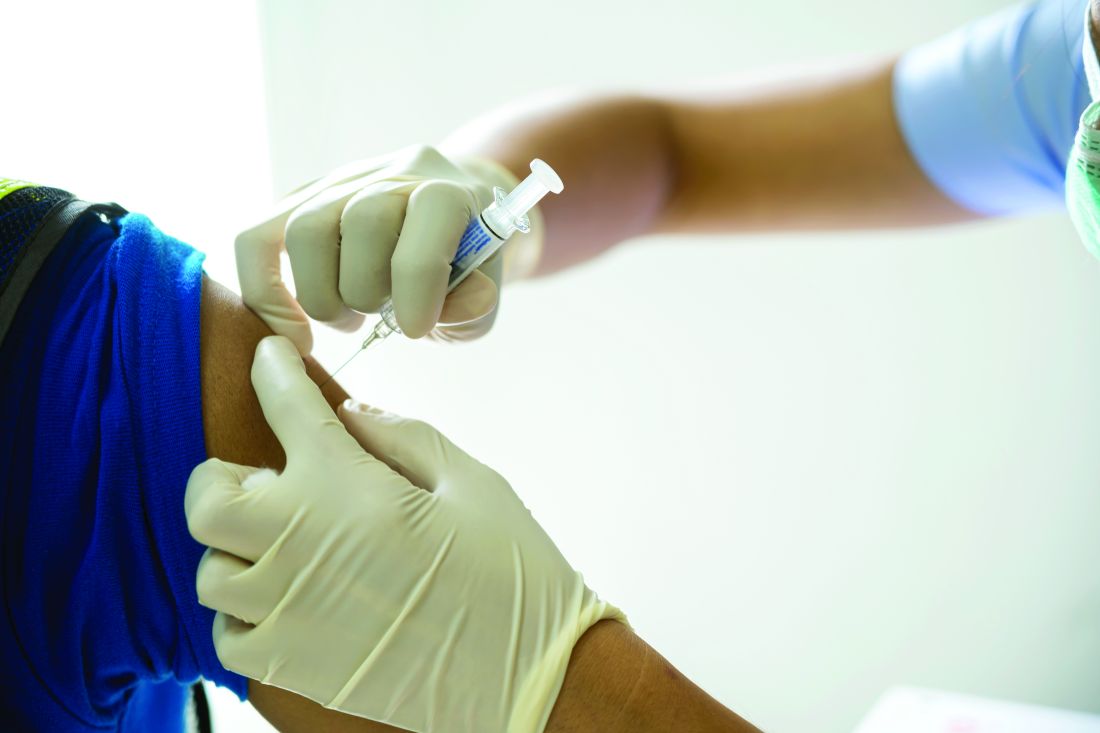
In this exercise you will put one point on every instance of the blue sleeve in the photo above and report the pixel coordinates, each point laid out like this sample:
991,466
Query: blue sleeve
990,110
102,414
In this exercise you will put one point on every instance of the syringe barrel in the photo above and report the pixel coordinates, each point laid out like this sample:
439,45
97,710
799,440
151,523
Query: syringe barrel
476,245
388,316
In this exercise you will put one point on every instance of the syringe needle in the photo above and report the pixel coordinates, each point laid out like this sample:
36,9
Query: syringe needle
373,336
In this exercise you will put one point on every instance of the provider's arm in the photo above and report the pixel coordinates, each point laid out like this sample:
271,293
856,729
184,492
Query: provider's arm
977,122
820,151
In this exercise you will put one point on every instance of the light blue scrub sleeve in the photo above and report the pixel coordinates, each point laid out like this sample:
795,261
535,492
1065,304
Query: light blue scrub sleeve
990,110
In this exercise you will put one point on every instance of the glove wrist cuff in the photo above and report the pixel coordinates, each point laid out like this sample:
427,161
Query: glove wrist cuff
537,695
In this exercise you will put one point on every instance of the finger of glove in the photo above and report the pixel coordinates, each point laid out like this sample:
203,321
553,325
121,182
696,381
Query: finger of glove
234,647
412,448
474,298
258,249
226,583
223,509
437,214
470,310
313,244
262,287
257,253
294,407
370,227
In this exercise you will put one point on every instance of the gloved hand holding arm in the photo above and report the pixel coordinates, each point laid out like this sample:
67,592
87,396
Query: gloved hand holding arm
412,588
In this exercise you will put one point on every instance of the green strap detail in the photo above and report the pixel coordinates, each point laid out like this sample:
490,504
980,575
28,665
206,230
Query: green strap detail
8,185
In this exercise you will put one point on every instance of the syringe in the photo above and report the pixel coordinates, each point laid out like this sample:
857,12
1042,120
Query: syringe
485,234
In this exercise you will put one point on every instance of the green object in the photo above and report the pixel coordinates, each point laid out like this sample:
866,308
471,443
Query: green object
10,185
1083,179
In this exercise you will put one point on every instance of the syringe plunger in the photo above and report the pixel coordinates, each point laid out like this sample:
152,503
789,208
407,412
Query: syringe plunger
532,188
509,212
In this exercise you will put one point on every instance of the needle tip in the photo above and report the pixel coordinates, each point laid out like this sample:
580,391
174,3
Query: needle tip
370,339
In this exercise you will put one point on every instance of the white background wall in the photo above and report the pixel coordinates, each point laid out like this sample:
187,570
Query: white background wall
861,460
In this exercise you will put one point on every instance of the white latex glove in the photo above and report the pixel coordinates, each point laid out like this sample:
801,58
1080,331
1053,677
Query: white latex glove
390,224
416,590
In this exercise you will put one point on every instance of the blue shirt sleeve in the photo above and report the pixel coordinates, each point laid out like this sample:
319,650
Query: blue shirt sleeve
102,416
990,110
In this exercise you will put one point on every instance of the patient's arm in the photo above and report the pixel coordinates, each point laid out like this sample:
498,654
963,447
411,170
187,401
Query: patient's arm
614,683
236,431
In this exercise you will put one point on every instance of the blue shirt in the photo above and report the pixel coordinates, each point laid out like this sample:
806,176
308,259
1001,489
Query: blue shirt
990,110
102,423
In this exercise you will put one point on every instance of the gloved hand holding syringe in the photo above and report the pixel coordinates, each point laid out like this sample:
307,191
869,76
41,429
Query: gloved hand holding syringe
379,235
486,233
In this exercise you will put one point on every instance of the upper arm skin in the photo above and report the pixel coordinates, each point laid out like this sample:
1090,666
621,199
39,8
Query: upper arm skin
237,432
820,151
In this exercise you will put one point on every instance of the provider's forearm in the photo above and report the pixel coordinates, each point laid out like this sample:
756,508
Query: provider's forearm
820,151
617,684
